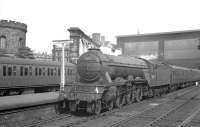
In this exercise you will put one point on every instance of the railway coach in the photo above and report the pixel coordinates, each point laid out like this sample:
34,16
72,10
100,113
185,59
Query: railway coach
107,81
22,76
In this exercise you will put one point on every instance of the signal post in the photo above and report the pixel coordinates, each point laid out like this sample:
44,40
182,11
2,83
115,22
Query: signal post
62,43
61,105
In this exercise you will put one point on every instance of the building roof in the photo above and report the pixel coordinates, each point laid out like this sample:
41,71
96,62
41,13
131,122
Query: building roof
175,35
161,33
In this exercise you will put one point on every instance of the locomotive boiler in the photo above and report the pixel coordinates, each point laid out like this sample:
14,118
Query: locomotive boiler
94,66
107,81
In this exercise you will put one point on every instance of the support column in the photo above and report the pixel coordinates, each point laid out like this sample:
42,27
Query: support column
161,48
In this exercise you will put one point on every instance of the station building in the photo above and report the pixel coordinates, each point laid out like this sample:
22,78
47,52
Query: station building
180,48
12,36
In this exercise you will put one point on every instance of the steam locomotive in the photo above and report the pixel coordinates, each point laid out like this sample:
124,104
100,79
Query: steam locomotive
22,76
107,81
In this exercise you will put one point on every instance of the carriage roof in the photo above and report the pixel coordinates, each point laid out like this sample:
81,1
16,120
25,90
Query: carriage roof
10,60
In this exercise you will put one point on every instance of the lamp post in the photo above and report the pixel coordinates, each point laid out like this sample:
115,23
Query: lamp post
62,42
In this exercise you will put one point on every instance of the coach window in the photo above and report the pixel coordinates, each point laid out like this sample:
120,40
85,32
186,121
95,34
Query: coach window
40,71
58,71
51,72
9,71
21,70
26,71
55,71
66,72
36,71
43,71
14,70
71,71
48,72
30,70
4,70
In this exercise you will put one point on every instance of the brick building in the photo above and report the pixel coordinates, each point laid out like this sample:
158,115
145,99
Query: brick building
81,43
181,48
12,36
42,56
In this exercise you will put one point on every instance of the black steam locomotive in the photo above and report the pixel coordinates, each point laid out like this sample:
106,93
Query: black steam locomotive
107,81
22,76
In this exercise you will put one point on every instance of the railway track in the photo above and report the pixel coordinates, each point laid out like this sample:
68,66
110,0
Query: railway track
193,120
30,116
44,114
161,115
77,120
80,122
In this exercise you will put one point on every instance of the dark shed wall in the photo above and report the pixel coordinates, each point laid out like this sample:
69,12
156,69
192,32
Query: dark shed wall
173,47
182,49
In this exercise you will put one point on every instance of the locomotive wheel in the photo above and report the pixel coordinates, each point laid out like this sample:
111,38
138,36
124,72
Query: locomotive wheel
128,98
150,93
117,102
120,100
98,107
72,106
60,107
138,95
123,100
110,105
133,96
90,107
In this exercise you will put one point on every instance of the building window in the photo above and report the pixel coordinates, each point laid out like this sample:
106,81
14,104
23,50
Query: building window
56,54
2,42
21,42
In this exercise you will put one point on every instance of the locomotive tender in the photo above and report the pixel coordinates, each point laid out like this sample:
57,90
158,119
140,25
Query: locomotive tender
22,76
106,81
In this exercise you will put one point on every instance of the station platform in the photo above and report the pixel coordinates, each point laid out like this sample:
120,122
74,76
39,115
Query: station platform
19,101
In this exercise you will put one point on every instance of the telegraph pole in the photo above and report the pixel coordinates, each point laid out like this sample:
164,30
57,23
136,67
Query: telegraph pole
62,42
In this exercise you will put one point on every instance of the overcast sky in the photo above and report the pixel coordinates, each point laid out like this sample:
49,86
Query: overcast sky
49,20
